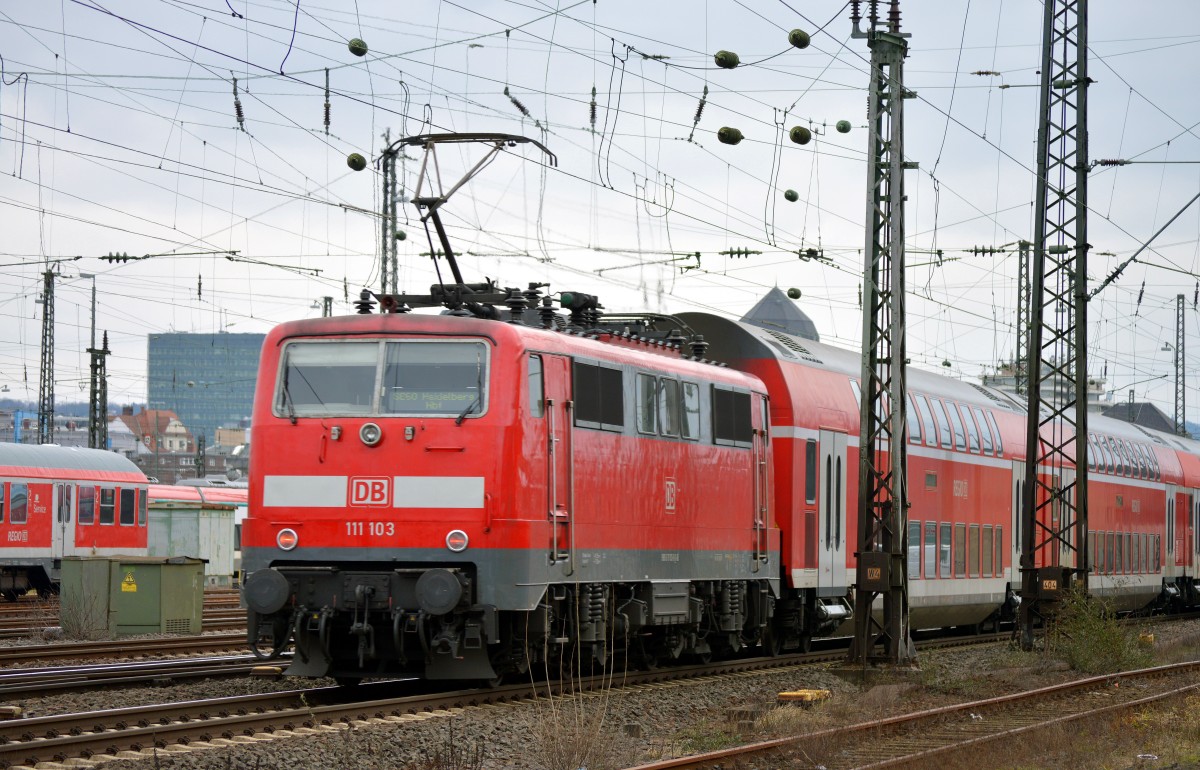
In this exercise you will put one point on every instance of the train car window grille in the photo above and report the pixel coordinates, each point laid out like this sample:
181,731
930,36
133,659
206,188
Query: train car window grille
945,546
669,407
327,379
914,550
927,421
931,560
999,551
599,399
996,433
128,507
790,343
810,471
914,422
960,436
943,423
960,550
647,412
691,410
535,383
108,505
434,379
732,424
973,551
985,433
87,504
988,570
972,432
18,507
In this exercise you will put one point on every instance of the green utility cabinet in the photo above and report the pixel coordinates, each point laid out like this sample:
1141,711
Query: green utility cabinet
107,596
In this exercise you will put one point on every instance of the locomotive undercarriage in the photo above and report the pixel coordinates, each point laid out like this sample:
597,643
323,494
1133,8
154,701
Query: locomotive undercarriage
351,623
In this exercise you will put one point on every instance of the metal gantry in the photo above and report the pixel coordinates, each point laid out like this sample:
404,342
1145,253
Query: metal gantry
882,571
1054,498
1180,393
46,378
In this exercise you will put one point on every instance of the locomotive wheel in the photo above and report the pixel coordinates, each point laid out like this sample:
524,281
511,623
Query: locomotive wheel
771,643
806,643
12,595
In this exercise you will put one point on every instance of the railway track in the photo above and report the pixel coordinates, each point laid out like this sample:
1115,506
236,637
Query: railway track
216,619
42,681
122,648
936,736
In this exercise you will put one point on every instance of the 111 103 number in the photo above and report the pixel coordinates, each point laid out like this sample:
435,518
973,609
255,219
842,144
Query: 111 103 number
372,528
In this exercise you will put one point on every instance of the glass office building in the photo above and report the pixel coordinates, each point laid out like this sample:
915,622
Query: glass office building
206,379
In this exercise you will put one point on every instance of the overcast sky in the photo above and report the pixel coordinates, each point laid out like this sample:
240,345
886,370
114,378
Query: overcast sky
119,133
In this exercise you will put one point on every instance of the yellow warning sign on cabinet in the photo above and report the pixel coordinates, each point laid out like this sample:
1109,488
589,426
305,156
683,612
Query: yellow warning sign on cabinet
129,585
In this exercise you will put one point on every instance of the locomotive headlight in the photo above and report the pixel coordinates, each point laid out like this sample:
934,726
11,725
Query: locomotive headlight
370,433
287,539
457,541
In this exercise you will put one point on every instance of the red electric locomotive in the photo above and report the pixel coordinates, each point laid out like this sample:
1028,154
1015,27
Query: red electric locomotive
463,498
64,501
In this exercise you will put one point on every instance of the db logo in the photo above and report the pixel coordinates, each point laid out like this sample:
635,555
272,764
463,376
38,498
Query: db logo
370,490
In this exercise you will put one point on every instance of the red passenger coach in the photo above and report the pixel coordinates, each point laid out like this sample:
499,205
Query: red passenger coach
65,501
462,498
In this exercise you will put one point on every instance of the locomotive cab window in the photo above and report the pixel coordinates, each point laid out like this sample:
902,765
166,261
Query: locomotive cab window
599,399
537,389
691,410
647,413
731,417
669,407
434,378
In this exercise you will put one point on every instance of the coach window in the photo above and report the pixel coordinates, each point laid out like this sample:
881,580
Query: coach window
18,508
691,410
930,549
1148,454
996,433
1096,551
1118,458
973,551
63,512
599,399
942,421
142,495
1139,463
810,471
128,507
985,433
87,505
854,387
987,551
926,421
1109,561
668,406
1157,553
1091,451
945,545
1103,457
108,506
914,424
537,388
731,417
1154,465
999,551
960,550
914,550
647,414
972,432
960,437
1119,555
3,500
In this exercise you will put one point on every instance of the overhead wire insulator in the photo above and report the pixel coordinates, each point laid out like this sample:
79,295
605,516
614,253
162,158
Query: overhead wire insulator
729,135
237,107
791,196
1141,293
727,60
799,38
592,109
843,126
700,107
517,103
327,101
800,135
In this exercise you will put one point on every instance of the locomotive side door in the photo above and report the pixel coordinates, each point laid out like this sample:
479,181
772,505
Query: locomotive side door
560,480
831,515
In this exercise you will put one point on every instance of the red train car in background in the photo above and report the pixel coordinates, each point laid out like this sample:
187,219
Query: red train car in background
65,501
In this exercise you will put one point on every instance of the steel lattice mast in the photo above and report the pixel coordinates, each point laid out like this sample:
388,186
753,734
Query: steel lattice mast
98,398
1054,505
1021,364
883,501
46,378
388,252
